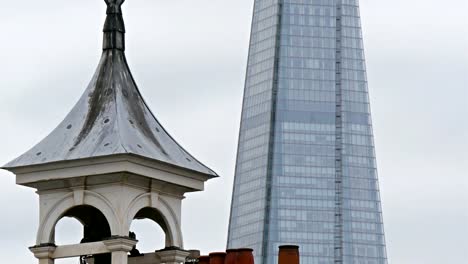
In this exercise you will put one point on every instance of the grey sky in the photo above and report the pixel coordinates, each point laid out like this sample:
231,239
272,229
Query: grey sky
189,57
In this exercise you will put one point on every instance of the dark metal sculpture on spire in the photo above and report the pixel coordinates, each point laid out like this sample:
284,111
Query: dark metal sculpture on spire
114,27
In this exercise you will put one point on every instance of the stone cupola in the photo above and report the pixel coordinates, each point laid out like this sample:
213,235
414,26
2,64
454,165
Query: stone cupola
108,162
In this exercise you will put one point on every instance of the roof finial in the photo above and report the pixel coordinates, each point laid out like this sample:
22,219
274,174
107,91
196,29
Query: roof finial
114,27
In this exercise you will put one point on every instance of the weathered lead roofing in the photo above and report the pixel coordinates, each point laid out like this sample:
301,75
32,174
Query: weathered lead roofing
111,117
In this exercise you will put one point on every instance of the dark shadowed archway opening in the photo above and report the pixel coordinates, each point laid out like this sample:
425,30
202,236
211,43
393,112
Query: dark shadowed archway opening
94,228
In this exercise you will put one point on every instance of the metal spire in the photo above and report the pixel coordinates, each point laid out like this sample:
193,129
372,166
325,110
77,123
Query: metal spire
114,27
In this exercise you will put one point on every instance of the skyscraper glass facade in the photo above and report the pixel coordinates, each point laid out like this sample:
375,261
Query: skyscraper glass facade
306,171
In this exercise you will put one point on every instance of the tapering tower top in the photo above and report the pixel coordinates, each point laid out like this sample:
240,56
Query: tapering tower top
114,27
111,119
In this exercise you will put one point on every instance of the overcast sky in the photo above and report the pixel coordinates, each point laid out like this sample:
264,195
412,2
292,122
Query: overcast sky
188,58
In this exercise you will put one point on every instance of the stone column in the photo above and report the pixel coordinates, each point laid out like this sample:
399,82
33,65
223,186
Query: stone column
46,261
119,257
172,255
119,247
44,253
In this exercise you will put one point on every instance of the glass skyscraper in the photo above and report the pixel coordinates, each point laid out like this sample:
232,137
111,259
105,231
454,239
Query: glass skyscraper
306,171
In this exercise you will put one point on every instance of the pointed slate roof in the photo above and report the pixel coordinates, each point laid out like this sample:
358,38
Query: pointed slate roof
111,117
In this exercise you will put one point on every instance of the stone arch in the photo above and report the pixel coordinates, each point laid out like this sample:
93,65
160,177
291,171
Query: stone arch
62,206
95,225
161,213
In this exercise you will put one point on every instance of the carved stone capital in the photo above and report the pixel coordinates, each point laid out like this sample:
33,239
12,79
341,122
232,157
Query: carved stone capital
172,255
44,251
117,243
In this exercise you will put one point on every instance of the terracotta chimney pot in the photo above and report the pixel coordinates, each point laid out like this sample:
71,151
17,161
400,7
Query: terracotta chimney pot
245,256
231,256
288,254
217,257
204,260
